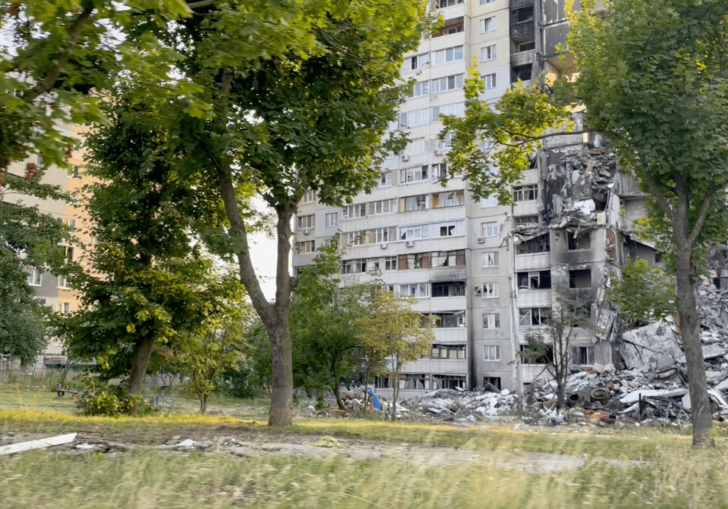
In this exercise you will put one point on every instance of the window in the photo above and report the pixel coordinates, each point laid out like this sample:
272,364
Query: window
483,2
490,201
450,199
526,220
64,307
309,196
488,53
491,353
74,172
447,259
490,229
354,211
308,246
457,110
415,118
416,62
418,146
306,222
35,277
441,4
450,30
419,89
372,264
353,266
63,283
582,355
578,241
390,263
495,381
487,25
382,207
384,235
414,232
534,280
71,223
386,179
413,203
438,170
490,259
414,261
489,80
446,84
414,174
332,219
448,229
69,252
523,14
580,278
455,289
417,290
526,46
525,193
490,290
540,244
491,320
446,320
359,238
448,352
528,317
487,146
448,55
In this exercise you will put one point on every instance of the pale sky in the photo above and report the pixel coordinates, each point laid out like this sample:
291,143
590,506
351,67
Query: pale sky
264,255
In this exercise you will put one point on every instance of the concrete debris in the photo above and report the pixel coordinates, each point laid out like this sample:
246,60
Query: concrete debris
461,406
653,347
37,444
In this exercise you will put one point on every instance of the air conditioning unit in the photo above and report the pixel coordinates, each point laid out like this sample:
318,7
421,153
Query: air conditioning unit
481,240
383,245
405,157
410,243
306,231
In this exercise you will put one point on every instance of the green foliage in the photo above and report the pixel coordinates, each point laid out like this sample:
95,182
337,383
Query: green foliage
242,381
644,293
106,400
491,146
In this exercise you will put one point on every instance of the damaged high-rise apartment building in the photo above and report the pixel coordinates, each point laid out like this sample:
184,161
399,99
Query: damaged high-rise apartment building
488,273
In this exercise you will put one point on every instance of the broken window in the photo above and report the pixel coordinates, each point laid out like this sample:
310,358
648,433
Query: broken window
528,317
526,220
382,382
525,193
448,258
413,203
495,381
414,232
455,289
580,278
444,320
490,259
540,244
417,290
546,356
353,266
448,352
491,320
578,241
535,280
449,199
451,229
448,382
491,353
490,290
413,381
372,264
582,355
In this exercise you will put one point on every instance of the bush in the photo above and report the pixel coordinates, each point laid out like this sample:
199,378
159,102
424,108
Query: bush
106,400
243,382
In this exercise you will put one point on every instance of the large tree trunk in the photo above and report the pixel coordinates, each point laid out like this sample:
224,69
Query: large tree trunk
690,332
274,316
138,372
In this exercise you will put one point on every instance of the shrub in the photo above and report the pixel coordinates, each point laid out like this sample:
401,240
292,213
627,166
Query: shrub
106,400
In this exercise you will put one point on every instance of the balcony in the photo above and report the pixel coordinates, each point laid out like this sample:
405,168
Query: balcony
523,31
534,299
451,334
523,58
533,261
518,4
438,366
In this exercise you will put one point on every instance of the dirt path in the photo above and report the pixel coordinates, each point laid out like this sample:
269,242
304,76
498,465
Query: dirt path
248,444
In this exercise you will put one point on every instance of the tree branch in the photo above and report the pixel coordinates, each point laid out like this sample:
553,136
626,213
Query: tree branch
201,3
659,197
74,34
702,216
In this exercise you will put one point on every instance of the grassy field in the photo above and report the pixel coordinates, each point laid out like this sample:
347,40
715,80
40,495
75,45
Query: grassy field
656,468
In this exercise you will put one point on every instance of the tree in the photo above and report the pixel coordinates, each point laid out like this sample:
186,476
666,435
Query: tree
149,280
644,293
655,81
395,329
309,114
553,346
325,323
205,354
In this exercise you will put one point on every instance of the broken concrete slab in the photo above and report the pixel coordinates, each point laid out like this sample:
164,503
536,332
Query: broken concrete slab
634,396
37,444
653,347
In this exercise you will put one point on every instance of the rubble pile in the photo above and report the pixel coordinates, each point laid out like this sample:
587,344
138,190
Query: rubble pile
456,405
